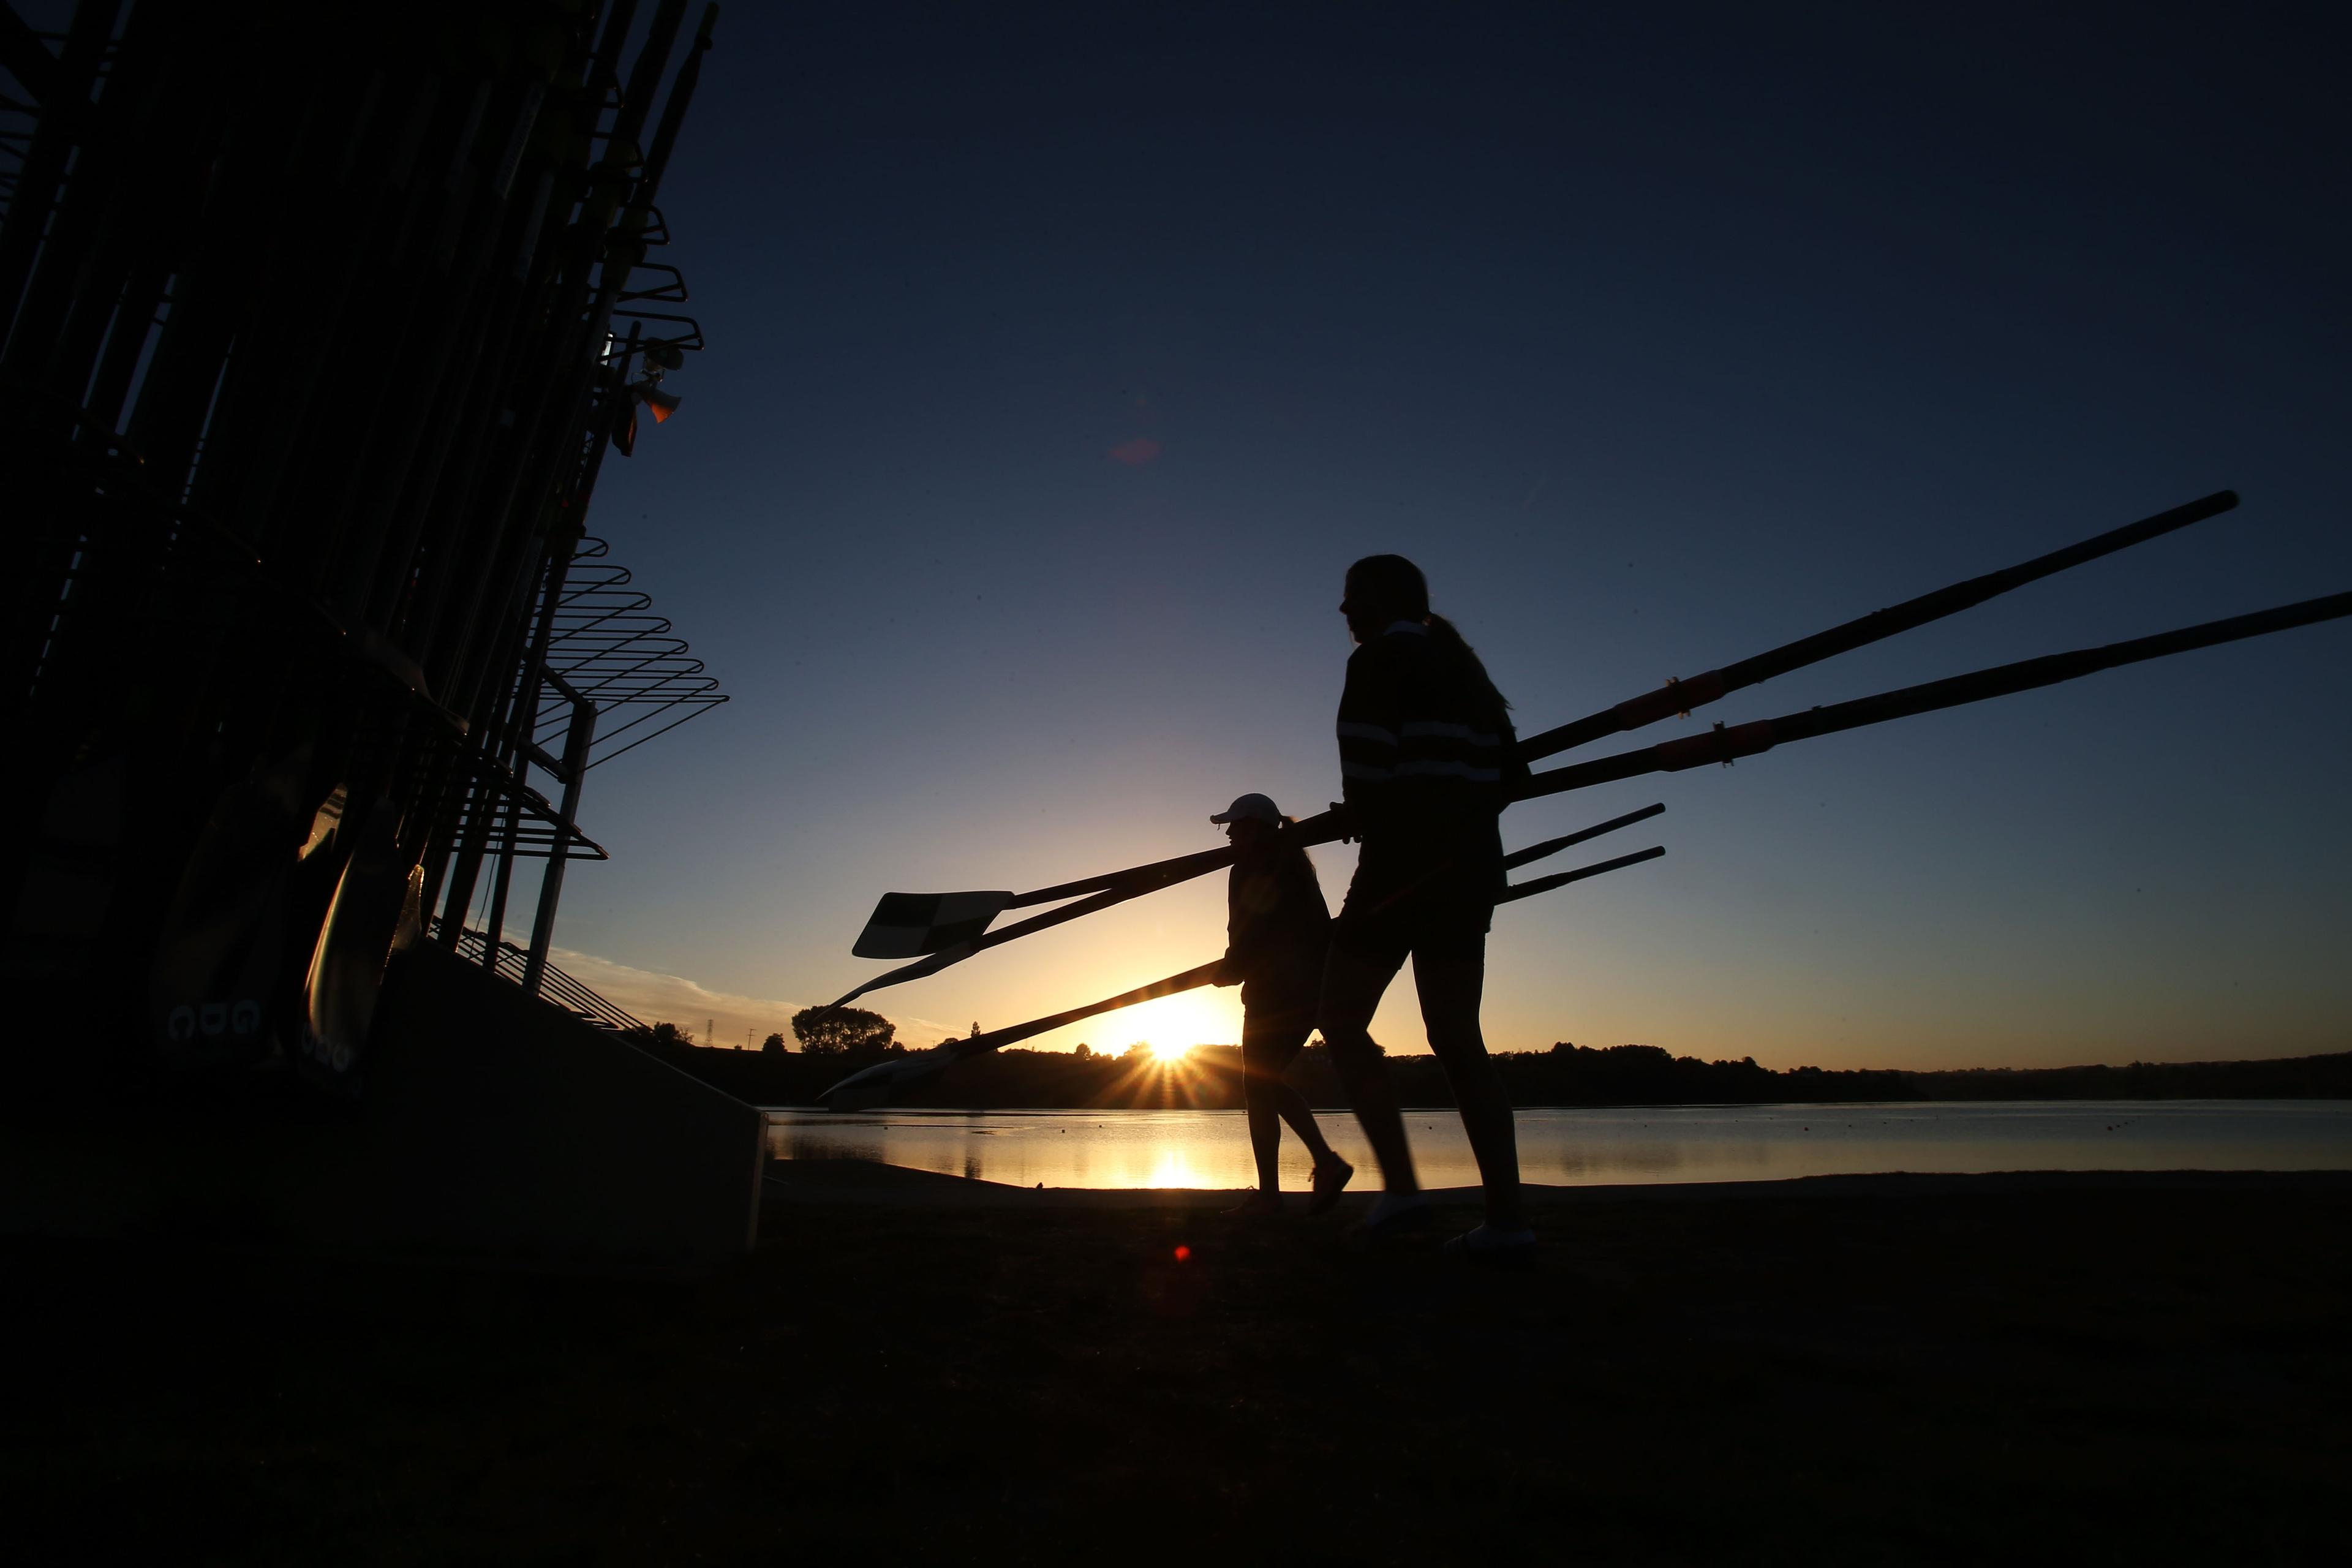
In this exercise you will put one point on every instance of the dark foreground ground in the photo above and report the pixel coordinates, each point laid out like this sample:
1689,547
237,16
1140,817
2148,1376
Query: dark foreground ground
1935,1371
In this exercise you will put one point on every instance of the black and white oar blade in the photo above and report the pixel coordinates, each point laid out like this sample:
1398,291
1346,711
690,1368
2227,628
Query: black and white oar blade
909,925
1528,889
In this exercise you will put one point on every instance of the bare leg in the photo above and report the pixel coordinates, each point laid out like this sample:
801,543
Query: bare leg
1295,1110
1265,1129
1450,992
1270,1043
1352,984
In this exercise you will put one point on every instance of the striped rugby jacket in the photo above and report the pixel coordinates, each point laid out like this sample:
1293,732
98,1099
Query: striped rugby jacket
1425,758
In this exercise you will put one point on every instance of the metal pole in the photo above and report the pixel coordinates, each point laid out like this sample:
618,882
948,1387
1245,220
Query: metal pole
576,742
494,926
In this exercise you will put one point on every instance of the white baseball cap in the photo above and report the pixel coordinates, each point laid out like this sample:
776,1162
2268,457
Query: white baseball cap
1256,806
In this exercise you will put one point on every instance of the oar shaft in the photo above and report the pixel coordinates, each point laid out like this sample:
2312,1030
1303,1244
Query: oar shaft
1545,884
1535,852
1722,745
1717,746
1681,696
949,1052
1203,974
1121,886
1199,976
1143,878
922,968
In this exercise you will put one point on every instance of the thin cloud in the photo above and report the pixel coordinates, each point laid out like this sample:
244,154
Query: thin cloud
726,1016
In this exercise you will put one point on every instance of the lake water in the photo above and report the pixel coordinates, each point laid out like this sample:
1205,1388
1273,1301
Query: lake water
1575,1147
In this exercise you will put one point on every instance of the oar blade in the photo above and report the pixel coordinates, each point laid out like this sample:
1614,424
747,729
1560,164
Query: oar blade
873,1089
868,1090
911,925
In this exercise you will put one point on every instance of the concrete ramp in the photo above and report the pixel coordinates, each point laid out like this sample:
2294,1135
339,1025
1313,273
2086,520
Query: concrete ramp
490,1126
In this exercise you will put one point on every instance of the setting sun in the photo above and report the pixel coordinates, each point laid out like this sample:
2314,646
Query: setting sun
1170,1027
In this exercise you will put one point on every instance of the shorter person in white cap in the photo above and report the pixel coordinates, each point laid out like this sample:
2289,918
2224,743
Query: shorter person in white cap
1278,931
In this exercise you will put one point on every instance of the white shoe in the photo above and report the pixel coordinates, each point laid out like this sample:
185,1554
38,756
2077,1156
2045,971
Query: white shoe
1396,1215
1493,1247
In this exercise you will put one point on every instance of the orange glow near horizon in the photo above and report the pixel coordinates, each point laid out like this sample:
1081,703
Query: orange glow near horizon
1170,1027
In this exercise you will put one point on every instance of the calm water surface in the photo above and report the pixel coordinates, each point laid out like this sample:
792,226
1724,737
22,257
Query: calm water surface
1577,1147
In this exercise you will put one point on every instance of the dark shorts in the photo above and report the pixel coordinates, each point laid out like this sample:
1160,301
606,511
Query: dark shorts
1438,913
1272,1037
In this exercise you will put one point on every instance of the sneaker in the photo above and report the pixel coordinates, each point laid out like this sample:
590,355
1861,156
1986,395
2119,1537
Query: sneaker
1490,1247
1395,1216
1258,1205
1331,1176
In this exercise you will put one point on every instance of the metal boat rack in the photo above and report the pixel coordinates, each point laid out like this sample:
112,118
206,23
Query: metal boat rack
302,406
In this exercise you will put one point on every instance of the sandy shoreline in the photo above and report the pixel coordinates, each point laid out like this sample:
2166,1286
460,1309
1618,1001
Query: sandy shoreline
2086,1367
855,1182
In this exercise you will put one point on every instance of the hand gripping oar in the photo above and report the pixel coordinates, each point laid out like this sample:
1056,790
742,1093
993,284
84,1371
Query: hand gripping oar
1679,697
873,1087
1722,745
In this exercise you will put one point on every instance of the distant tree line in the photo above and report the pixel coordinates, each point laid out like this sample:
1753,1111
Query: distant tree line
1210,1076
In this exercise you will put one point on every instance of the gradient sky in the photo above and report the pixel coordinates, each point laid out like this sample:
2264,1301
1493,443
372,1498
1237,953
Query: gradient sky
1059,366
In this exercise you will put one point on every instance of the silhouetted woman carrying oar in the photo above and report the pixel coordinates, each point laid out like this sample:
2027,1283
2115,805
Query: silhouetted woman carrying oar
1426,753
1277,930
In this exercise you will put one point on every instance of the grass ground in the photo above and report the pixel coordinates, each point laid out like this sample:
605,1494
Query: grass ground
2072,1375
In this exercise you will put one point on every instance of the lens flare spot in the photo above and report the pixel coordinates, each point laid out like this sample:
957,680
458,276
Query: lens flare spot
1183,1254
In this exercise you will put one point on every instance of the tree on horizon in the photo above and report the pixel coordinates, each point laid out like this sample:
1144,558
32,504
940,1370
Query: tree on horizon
834,1032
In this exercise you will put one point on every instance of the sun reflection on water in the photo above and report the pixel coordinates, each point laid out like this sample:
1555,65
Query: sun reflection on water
1173,1170
1174,1147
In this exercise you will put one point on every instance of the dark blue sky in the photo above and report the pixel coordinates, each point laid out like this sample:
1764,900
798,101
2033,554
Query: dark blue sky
1061,363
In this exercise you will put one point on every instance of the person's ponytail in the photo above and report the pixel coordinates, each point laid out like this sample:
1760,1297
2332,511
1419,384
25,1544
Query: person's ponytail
1449,641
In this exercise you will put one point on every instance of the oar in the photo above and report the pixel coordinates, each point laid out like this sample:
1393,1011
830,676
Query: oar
948,928
1535,852
914,925
1679,697
1545,884
957,954
906,925
864,1090
1722,745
